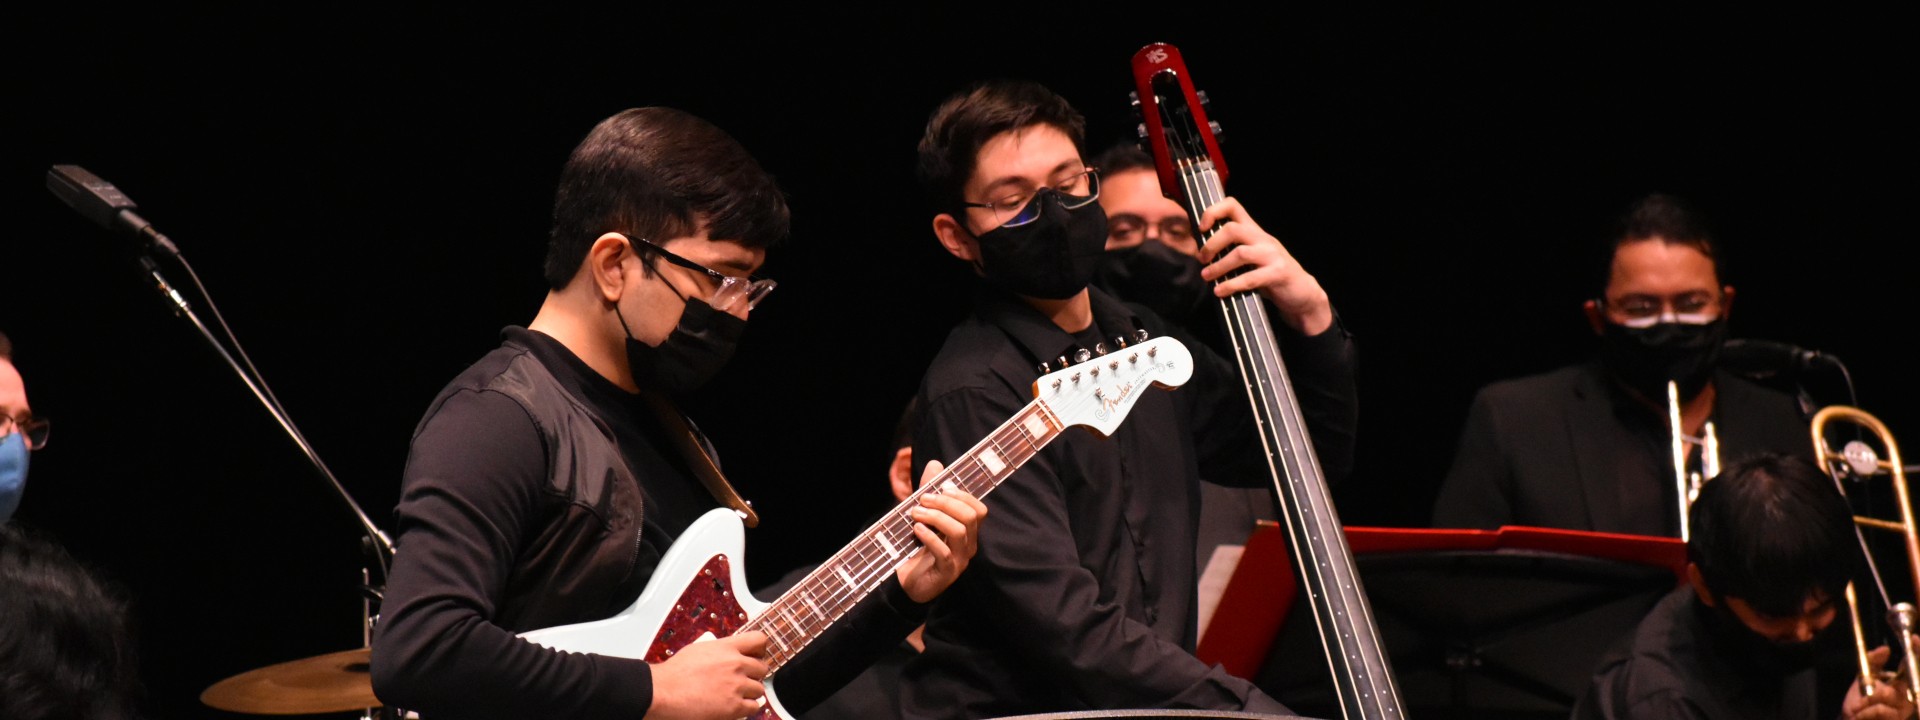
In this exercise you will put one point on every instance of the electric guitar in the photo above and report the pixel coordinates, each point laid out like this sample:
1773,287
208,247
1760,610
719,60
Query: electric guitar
699,590
1186,153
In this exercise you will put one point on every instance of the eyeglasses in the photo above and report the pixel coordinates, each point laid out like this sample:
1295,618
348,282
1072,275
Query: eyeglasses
1018,208
1640,311
1129,228
728,289
35,430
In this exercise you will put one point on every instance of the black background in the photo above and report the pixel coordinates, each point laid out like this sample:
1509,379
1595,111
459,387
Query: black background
366,193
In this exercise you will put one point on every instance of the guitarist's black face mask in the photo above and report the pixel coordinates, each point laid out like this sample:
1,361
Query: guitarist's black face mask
703,341
1052,257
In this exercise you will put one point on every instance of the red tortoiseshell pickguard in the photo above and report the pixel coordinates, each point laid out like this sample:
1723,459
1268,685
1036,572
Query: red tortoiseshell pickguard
707,605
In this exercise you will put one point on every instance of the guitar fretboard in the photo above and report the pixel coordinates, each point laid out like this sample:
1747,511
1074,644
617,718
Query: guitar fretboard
827,593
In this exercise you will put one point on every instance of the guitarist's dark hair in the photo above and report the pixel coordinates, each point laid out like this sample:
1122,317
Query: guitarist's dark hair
968,119
657,173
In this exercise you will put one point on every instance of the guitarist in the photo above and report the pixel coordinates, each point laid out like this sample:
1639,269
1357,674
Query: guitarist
1082,595
544,483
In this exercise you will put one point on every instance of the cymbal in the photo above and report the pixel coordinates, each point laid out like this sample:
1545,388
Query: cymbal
335,682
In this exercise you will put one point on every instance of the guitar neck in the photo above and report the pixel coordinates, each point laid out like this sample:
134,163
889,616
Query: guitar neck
827,593
1358,664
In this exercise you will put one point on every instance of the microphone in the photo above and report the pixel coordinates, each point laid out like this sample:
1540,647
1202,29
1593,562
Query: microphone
1765,358
104,204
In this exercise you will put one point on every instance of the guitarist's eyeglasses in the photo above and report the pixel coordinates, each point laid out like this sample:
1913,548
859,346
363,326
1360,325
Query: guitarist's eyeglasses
729,290
1018,207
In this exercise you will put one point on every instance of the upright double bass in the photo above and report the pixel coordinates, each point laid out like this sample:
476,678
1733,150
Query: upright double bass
1186,153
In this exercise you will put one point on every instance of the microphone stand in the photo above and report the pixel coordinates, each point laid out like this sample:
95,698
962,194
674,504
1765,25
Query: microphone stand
375,541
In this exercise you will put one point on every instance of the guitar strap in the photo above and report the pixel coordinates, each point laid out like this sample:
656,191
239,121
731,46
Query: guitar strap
693,449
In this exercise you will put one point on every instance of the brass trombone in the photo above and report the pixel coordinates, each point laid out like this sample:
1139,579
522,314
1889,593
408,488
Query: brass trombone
1861,459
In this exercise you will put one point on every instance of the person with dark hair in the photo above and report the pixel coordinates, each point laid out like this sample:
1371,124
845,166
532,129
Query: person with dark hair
1083,593
546,482
20,432
1771,551
1588,446
66,652
1153,259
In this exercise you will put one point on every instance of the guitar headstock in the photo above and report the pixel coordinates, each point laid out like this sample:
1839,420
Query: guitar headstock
1100,391
1173,116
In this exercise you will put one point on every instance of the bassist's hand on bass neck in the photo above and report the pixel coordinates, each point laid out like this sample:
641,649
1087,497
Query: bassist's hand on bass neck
1251,259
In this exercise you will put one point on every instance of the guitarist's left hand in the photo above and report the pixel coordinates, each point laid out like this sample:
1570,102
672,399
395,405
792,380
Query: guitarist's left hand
948,525
1271,271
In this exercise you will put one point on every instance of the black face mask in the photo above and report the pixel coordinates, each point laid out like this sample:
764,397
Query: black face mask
1052,257
1165,280
702,342
1744,648
1646,358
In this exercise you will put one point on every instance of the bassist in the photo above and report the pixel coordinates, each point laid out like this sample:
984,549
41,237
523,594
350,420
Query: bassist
1082,595
545,482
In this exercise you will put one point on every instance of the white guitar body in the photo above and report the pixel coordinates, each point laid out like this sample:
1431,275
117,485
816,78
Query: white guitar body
698,591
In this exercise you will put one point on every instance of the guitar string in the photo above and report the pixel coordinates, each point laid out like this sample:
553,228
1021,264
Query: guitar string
871,575
1294,455
868,574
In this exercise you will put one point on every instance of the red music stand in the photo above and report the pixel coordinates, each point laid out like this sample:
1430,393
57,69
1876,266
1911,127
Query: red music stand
1477,623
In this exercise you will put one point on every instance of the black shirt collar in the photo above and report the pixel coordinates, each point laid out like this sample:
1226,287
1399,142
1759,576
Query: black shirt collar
1039,338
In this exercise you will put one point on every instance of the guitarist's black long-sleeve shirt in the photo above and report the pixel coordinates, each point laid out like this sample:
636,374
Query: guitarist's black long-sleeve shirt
491,544
1082,593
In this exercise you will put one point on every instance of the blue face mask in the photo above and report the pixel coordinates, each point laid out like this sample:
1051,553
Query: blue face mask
13,472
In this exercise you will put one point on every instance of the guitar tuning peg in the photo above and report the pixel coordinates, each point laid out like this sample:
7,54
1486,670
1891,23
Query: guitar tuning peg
1119,342
1140,335
1099,348
1061,362
1045,368
1081,355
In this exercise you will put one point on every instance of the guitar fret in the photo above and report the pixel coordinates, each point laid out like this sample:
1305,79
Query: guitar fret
808,598
887,545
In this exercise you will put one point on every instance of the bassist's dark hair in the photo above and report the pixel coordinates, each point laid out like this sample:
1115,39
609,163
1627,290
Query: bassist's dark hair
967,120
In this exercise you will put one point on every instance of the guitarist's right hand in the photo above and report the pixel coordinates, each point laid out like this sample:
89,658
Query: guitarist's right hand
718,679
